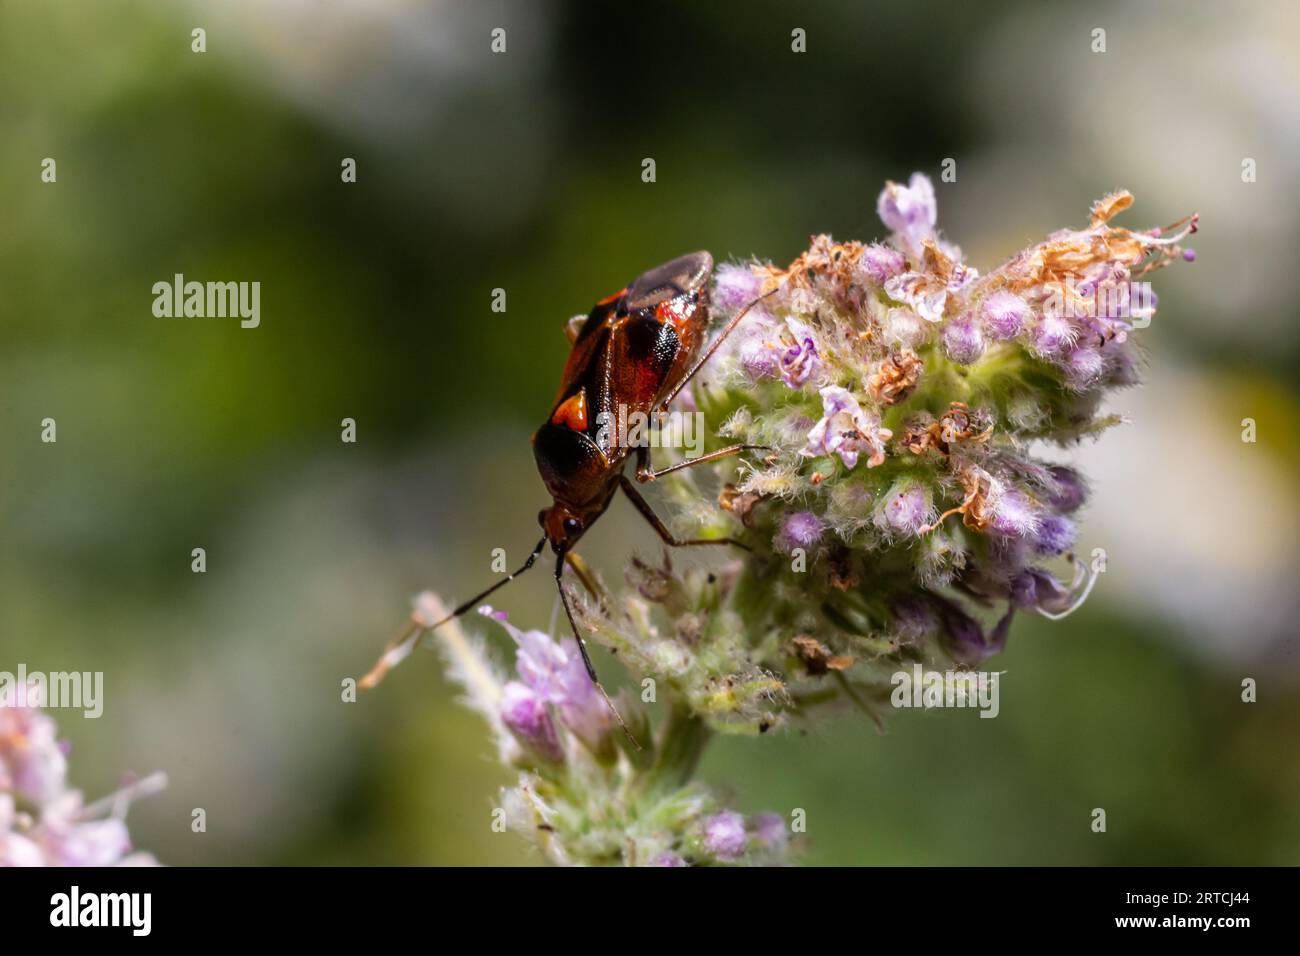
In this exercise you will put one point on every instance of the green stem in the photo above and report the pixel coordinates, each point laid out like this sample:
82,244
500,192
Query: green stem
682,739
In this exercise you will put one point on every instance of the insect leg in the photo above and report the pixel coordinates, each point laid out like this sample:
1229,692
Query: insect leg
645,473
466,605
657,523
582,648
573,625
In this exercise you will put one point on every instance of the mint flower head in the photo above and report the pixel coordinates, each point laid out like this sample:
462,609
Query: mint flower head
900,510
44,822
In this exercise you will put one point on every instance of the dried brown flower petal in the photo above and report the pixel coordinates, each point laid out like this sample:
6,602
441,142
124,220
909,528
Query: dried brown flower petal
896,377
817,657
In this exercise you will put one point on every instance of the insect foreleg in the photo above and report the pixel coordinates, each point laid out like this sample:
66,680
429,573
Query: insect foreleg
582,648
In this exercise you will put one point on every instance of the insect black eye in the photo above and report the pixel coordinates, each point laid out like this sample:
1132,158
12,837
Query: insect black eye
572,525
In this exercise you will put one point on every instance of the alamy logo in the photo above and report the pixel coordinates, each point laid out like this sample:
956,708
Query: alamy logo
631,428
216,300
77,690
924,689
134,910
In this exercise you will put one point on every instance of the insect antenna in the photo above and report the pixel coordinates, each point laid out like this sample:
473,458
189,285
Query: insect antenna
472,602
586,658
404,642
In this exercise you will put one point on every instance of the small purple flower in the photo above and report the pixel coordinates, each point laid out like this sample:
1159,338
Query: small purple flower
1035,587
962,274
754,347
1005,314
880,263
1052,334
907,510
770,829
1014,514
1055,534
1068,491
963,340
798,358
914,618
1083,367
1023,590
846,430
526,716
724,835
758,360
803,529
734,287
910,211
555,672
965,637
1006,555
1189,255
1040,590
963,634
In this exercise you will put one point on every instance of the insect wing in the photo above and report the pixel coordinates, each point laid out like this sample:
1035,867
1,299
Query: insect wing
682,276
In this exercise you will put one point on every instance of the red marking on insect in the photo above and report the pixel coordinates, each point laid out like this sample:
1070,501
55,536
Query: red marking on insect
636,349
572,412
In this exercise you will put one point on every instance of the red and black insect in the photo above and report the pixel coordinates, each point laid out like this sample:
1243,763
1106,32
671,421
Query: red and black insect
637,349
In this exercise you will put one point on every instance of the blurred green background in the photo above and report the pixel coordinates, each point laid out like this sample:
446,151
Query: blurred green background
522,171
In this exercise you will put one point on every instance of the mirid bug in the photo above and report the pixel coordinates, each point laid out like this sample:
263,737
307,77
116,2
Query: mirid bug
635,351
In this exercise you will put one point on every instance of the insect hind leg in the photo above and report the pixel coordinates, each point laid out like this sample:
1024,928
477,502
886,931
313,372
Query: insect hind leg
661,529
645,473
